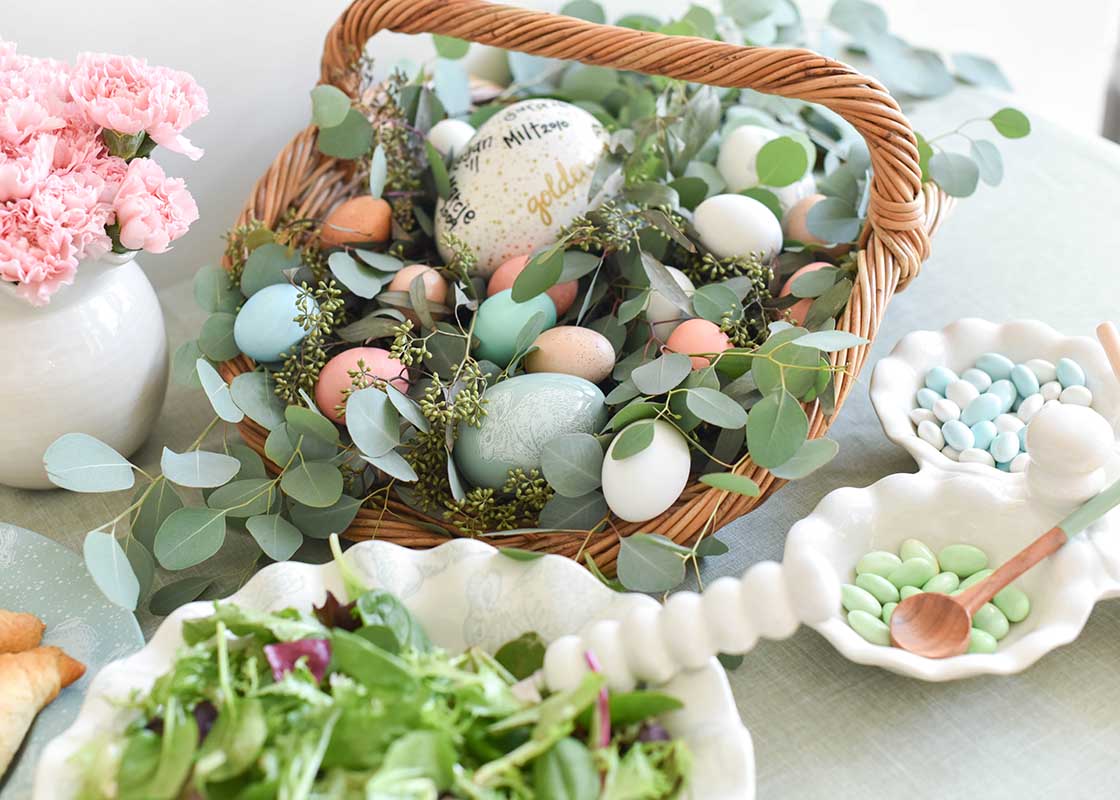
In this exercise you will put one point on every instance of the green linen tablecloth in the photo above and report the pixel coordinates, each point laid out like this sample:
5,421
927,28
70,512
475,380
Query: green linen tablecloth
1038,247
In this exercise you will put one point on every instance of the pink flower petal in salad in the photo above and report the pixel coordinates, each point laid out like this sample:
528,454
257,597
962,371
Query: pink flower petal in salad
604,703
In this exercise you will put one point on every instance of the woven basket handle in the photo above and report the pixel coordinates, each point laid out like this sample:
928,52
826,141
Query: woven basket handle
896,207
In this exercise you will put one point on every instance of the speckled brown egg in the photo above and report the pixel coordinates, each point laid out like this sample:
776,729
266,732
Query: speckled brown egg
359,220
571,350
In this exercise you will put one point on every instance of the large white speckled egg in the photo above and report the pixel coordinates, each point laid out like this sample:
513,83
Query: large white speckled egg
649,482
524,175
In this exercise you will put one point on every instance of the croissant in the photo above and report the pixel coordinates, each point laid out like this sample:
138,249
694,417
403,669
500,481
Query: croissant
28,681
19,632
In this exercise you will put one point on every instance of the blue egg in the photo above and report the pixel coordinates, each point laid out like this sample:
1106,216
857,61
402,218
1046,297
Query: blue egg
1026,382
1007,392
983,432
958,435
265,328
1070,373
939,378
927,397
1005,447
984,407
997,366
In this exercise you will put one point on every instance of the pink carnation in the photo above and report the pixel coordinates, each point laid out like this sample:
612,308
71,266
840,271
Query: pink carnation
152,209
22,168
37,256
126,95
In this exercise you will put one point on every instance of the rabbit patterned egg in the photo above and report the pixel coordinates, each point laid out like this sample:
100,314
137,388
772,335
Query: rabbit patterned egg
523,414
645,484
520,180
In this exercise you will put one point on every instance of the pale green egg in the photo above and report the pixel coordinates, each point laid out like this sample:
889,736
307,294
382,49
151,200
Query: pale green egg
499,321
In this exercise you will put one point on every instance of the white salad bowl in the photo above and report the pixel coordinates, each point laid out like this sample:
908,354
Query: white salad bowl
942,508
897,378
465,593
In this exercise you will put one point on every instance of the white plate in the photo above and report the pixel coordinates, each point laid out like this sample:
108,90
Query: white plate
465,593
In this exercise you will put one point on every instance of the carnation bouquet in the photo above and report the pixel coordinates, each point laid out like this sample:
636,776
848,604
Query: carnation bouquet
77,180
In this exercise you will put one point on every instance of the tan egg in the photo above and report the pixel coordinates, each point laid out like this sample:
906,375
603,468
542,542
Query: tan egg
435,286
698,336
571,350
359,220
795,225
800,310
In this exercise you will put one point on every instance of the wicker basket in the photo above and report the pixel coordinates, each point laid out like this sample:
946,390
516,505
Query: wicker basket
902,213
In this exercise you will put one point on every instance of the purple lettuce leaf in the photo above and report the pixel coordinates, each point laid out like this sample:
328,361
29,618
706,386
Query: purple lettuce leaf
283,656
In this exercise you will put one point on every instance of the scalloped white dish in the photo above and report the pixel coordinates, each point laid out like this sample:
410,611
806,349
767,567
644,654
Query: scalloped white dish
897,378
943,508
465,593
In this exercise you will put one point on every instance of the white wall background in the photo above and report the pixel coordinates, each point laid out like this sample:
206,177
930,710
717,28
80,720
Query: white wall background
259,58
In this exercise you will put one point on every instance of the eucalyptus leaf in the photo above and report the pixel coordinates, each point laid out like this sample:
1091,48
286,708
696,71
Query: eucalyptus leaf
252,466
623,393
834,220
454,481
910,70
418,299
159,504
957,174
574,513
664,283
278,538
573,464
776,429
329,105
450,47
988,160
541,273
703,20
320,523
215,292
813,455
198,469
779,364
110,569
378,172
439,170
577,264
189,536
633,439
829,341
142,561
305,422
313,483
566,771
980,71
533,327
715,407
393,464
169,597
1011,123
584,9
767,198
80,463
730,482
372,421
217,392
278,445
829,305
861,19
715,301
349,140
373,326
452,86
266,266
408,408
629,309
254,393
662,374
216,340
183,370
711,546
691,191
637,410
243,498
815,283
354,275
647,564
781,162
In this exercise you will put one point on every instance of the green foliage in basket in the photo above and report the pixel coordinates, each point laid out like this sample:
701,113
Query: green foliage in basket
749,401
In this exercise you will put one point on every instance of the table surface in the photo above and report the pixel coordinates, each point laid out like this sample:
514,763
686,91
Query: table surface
822,726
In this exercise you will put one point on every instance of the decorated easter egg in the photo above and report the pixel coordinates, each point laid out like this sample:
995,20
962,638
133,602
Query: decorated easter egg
698,336
359,220
524,176
522,415
562,294
500,319
738,165
799,310
647,483
266,326
343,374
736,225
660,312
435,286
572,350
450,136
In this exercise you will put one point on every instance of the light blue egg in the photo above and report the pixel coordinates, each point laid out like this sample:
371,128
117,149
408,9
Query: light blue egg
927,397
1023,438
957,435
1004,447
265,328
978,378
1007,392
940,377
500,319
985,407
997,366
983,432
1070,373
1026,382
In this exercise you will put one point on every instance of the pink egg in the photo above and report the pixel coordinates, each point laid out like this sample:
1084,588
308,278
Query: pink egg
698,336
435,287
562,294
335,378
799,310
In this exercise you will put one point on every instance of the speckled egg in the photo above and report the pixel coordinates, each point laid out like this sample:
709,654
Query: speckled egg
450,136
265,327
663,316
522,415
572,350
649,482
736,225
435,286
335,379
799,310
562,294
523,177
359,220
737,165
500,319
698,336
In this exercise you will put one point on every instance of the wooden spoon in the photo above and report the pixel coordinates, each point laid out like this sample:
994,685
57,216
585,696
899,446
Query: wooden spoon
939,625
1109,338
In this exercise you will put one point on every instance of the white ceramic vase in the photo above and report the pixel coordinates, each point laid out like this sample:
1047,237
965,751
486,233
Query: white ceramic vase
94,360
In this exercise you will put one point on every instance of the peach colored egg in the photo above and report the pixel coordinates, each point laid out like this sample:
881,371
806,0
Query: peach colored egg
799,310
795,223
562,294
698,336
335,378
435,286
359,220
572,350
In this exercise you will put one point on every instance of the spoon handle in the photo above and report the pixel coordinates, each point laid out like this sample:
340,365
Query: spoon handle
1110,340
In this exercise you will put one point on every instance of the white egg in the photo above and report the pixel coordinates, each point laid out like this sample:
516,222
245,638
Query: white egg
660,311
524,176
736,225
649,482
450,136
737,165
788,196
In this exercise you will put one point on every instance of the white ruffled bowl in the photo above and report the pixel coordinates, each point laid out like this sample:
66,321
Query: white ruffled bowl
897,378
942,508
465,593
